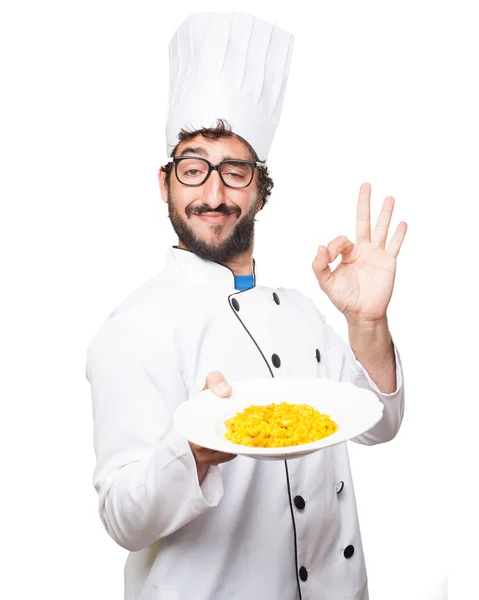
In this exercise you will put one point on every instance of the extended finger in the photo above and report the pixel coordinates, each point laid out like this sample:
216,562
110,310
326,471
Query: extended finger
363,218
380,232
397,239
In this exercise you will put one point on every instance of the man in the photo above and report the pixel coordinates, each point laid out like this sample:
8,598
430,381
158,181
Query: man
204,525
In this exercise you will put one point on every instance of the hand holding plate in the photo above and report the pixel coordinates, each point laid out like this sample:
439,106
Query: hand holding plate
205,456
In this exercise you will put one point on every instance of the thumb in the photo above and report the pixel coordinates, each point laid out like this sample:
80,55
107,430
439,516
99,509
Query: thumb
321,268
217,383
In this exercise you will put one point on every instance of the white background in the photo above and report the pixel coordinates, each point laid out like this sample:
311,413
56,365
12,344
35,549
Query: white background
384,92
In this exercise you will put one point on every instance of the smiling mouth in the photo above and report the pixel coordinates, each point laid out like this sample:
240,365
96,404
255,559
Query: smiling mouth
214,217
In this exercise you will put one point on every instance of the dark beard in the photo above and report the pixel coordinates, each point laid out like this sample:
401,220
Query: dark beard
240,240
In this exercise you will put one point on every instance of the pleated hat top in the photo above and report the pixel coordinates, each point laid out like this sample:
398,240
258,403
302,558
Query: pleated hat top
228,65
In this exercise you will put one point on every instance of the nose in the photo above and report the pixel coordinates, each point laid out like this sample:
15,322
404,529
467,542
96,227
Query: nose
214,190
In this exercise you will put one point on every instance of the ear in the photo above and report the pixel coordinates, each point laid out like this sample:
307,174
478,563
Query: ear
163,188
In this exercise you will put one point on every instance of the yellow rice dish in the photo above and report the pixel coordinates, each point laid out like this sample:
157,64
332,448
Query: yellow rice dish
278,425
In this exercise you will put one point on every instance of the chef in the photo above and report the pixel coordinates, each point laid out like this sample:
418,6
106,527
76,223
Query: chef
199,524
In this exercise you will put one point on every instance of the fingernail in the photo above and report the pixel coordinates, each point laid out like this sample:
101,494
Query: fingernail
223,386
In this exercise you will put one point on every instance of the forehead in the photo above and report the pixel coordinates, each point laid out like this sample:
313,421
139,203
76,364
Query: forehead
216,149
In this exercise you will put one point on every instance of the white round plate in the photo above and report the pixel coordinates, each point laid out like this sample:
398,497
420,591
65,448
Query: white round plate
201,419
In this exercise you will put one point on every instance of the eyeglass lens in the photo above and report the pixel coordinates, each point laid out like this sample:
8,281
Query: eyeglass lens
193,171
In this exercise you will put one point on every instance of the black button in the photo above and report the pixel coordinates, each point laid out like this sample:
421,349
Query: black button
348,551
303,574
318,355
339,487
299,502
276,297
235,304
276,360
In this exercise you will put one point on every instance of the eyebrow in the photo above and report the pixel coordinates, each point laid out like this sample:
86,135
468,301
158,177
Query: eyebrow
202,152
190,150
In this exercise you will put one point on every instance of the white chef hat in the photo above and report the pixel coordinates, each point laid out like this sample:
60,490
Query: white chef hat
232,66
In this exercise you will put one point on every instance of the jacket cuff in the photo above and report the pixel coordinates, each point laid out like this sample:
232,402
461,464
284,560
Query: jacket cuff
399,376
210,492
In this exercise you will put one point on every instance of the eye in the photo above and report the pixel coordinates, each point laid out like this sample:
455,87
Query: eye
191,168
236,171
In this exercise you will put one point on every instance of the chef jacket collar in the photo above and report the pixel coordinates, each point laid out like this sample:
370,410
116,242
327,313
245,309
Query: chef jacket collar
200,271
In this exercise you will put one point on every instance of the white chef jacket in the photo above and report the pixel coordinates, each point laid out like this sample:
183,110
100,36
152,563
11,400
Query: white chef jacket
254,529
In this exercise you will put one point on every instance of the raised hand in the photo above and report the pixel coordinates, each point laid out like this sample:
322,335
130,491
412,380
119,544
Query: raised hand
361,285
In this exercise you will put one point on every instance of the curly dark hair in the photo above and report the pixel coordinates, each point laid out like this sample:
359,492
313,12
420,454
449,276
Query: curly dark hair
223,129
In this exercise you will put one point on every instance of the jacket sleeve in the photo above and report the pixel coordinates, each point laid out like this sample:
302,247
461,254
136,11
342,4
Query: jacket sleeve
354,372
145,473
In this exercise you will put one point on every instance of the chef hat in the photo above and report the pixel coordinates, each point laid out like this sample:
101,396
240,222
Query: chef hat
232,66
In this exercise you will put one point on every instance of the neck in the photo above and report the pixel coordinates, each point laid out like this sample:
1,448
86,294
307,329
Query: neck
240,265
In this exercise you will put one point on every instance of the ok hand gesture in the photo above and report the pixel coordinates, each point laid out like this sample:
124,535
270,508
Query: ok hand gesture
361,285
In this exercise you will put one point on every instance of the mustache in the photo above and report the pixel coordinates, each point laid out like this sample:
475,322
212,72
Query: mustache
222,209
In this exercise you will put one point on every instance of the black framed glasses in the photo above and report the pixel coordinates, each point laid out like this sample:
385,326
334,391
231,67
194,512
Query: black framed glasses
234,173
